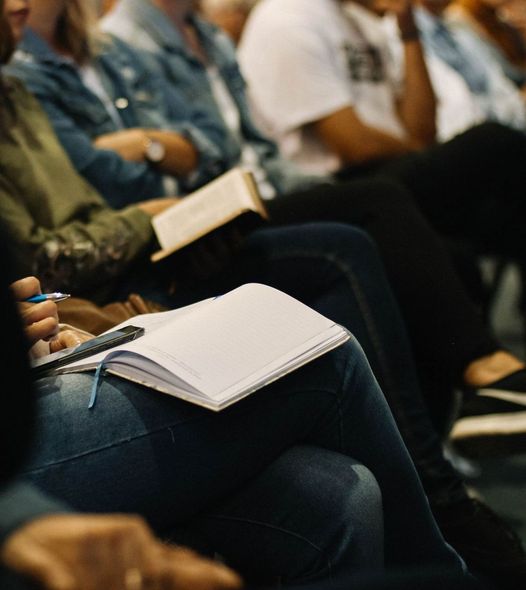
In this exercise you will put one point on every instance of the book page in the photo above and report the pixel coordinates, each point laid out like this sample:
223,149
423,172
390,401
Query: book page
208,208
248,331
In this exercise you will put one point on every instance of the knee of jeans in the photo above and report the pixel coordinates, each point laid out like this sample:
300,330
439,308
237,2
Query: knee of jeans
354,238
500,137
359,544
343,502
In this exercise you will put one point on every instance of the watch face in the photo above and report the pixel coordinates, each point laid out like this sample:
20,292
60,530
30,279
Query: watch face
155,151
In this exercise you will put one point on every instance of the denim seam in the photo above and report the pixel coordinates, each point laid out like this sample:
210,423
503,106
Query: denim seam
168,428
363,305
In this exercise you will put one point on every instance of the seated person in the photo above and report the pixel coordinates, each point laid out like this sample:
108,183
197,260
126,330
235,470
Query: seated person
313,263
501,25
171,462
199,62
65,233
485,93
39,535
347,113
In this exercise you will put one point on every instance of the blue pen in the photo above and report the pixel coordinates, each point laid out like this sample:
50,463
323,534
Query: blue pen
48,297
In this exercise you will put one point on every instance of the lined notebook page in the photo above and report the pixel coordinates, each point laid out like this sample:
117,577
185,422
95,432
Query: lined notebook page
227,340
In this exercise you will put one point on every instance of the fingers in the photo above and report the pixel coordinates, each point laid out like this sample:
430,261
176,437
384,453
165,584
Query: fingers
26,287
30,559
183,569
67,339
91,552
40,320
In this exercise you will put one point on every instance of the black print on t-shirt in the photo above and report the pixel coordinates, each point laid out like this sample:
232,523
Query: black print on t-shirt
365,63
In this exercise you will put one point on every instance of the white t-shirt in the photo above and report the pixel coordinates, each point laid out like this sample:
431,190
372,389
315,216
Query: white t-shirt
306,59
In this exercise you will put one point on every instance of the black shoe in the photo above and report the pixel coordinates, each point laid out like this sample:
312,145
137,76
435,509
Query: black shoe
491,549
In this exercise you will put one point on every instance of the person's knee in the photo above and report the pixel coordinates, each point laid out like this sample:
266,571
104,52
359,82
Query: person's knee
341,504
498,137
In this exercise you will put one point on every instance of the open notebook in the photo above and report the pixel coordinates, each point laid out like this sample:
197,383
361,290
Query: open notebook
216,352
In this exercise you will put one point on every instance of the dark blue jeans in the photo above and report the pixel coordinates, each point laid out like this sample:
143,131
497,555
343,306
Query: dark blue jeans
291,482
336,269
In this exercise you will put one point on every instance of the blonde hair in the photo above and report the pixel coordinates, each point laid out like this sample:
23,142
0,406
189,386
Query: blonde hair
77,32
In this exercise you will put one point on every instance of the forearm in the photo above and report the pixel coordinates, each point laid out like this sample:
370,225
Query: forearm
180,157
417,107
355,142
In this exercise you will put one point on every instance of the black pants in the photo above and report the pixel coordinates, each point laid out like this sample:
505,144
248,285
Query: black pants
469,188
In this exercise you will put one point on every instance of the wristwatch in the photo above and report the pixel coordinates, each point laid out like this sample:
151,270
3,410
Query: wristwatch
154,151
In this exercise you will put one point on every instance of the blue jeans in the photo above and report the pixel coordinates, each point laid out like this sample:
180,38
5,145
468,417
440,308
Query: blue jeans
279,484
336,269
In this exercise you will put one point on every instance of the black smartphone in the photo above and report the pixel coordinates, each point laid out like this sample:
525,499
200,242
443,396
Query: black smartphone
58,359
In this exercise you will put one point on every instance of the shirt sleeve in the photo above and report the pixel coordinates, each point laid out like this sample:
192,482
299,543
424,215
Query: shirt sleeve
96,246
293,76
20,502
119,181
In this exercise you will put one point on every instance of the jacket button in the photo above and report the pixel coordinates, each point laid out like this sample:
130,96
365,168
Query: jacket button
121,103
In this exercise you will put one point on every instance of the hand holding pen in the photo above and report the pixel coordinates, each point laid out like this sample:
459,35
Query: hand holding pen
38,311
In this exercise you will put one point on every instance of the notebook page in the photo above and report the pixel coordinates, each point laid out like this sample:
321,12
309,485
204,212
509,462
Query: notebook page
235,336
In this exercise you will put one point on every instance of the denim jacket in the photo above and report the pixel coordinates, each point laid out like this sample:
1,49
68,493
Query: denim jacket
139,96
140,22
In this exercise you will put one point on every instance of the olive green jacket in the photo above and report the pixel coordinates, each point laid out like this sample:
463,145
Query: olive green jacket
65,233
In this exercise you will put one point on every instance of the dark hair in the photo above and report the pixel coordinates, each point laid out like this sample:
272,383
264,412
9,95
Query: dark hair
7,47
7,41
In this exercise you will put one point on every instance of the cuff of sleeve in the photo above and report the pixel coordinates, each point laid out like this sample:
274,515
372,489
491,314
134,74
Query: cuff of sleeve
211,160
140,223
20,503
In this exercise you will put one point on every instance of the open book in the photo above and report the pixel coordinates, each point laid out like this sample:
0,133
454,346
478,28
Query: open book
216,352
230,196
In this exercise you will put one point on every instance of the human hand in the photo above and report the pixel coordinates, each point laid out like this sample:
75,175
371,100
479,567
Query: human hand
110,552
40,319
154,206
68,338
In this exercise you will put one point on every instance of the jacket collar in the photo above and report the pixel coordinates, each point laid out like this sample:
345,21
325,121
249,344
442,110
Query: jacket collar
39,49
158,26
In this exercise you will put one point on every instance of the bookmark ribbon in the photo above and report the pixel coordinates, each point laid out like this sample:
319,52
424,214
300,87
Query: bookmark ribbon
99,374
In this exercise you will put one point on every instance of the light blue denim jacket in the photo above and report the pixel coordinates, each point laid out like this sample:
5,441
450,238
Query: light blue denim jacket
141,23
79,117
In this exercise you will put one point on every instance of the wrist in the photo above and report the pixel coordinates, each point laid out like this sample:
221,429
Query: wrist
154,150
409,34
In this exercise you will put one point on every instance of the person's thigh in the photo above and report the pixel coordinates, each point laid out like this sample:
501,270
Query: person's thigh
142,451
470,186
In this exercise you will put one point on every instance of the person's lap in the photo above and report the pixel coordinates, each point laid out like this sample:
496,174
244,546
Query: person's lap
139,451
